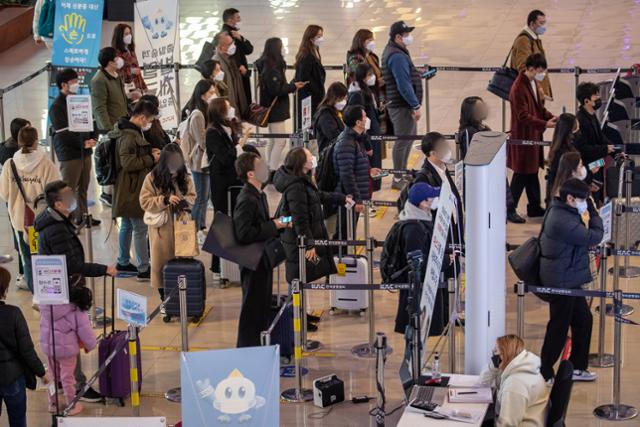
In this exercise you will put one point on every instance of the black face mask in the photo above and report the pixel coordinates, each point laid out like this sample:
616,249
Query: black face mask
496,360
597,104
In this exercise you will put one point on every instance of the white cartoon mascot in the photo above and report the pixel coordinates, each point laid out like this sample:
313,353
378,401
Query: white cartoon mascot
157,24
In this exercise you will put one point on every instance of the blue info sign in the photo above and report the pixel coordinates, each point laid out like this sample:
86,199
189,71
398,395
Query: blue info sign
76,35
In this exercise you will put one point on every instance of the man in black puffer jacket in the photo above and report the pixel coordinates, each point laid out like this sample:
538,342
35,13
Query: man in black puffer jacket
58,236
564,263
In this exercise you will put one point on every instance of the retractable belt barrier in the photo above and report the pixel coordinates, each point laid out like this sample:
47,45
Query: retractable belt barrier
355,286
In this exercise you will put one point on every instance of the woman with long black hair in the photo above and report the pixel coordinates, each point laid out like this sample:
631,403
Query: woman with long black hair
167,189
327,122
274,90
564,136
130,72
309,68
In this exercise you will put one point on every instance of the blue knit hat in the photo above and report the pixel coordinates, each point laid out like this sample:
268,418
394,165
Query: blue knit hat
421,191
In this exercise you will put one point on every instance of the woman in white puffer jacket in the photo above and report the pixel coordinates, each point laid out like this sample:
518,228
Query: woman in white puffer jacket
521,393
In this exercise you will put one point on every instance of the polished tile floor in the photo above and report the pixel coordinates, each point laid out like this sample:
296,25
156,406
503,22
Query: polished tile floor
590,33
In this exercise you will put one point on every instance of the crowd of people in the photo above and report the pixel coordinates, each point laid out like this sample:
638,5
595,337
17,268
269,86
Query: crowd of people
155,178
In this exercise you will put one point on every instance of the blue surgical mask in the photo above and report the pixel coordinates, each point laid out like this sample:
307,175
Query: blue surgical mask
541,30
581,206
73,205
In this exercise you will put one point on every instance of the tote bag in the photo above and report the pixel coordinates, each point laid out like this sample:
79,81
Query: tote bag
184,229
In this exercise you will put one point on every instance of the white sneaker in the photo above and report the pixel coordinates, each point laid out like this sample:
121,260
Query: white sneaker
21,284
585,375
549,383
163,310
373,212
201,237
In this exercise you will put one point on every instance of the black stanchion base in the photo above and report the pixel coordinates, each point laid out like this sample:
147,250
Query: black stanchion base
625,310
367,351
606,361
627,273
312,345
615,413
291,395
174,395
101,322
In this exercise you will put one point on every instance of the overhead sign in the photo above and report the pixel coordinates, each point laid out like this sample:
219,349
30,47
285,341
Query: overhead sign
50,279
132,308
156,31
80,113
306,113
77,31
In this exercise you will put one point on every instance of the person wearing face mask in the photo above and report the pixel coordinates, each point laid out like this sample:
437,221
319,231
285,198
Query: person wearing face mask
130,72
108,100
309,69
252,224
403,85
361,93
211,70
302,200
232,77
73,149
231,24
569,166
528,42
134,160
168,187
156,135
564,263
327,122
563,142
591,141
274,94
521,395
529,120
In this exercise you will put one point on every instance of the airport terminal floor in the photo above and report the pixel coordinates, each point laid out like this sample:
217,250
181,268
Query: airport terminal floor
589,33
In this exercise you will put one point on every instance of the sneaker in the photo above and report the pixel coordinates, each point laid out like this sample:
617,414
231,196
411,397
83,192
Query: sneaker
373,212
312,327
216,277
21,284
585,375
535,211
130,268
36,307
397,184
91,396
106,199
549,383
143,276
201,237
95,222
515,218
312,319
163,310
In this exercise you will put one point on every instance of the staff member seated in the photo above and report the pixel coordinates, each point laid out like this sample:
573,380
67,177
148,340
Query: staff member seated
521,394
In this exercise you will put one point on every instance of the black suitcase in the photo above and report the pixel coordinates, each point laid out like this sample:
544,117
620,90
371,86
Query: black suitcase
282,333
193,270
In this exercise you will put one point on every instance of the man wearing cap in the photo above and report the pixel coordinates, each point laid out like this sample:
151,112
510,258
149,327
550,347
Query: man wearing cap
404,93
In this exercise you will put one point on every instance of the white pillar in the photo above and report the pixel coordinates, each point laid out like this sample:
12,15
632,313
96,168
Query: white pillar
485,218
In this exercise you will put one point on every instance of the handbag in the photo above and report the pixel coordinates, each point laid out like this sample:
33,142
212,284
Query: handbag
274,253
186,242
525,261
221,242
258,115
156,219
208,50
29,214
502,80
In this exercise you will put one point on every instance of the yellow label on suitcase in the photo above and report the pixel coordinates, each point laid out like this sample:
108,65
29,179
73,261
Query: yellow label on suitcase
342,269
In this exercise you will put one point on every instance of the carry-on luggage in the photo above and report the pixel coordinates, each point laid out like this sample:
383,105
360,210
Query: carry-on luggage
356,272
193,270
282,333
115,380
229,271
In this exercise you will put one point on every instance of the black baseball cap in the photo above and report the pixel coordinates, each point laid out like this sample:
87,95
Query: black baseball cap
399,28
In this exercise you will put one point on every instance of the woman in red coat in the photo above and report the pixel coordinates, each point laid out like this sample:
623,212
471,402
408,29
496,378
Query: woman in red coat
529,119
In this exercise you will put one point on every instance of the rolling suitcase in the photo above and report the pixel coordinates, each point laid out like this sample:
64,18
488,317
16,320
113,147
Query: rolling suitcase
193,270
355,272
115,380
229,271
282,333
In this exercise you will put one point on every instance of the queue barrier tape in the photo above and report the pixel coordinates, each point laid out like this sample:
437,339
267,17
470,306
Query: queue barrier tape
324,242
579,292
356,286
631,209
387,203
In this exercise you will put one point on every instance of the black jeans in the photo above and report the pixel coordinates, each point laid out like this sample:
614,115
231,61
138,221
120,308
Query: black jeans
565,313
529,182
256,305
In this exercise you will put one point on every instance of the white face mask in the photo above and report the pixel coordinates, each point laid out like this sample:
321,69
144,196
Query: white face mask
581,174
231,49
231,114
147,127
341,104
119,62
581,206
540,76
238,25
74,87
407,40
371,80
219,77
127,39
447,157
314,162
367,124
434,204
319,41
370,46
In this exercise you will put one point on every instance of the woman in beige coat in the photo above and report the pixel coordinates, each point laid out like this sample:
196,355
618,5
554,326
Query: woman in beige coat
167,188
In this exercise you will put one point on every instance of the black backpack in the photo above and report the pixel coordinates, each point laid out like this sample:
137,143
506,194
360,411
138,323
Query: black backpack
404,193
326,175
105,160
393,257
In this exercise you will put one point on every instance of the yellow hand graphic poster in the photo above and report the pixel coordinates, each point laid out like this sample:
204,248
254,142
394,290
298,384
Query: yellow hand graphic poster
77,31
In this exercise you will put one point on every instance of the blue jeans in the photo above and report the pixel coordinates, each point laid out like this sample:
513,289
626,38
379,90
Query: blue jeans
137,228
25,257
199,214
15,399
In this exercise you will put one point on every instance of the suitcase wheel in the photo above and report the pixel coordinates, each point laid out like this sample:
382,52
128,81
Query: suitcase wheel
121,402
224,283
332,311
362,311
166,318
195,319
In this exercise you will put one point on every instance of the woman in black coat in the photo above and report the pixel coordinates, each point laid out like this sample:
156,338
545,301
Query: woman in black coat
327,122
309,68
562,142
302,200
275,90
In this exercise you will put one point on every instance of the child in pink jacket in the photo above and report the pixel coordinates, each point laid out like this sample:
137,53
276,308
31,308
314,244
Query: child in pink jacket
72,329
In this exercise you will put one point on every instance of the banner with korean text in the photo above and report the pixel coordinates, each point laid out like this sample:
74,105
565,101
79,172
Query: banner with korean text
156,35
77,31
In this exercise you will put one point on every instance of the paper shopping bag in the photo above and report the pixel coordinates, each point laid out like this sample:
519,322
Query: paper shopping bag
184,229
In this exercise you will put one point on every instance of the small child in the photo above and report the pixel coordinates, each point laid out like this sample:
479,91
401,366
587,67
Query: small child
72,330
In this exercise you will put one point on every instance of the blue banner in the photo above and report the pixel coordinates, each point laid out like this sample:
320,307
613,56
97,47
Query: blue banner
77,31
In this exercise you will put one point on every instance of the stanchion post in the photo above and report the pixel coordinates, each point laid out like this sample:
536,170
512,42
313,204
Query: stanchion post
297,394
296,120
369,248
302,262
133,370
452,326
427,111
175,394
265,338
89,251
616,411
176,74
576,82
601,359
504,115
2,132
520,292
380,345
628,183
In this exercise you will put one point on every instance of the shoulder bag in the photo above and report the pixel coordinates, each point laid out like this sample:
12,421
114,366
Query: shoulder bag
29,214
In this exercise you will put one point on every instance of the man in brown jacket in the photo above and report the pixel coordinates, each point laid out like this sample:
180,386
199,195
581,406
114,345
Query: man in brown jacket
527,43
225,48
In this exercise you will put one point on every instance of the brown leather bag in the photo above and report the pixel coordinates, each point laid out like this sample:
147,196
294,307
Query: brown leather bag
258,115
